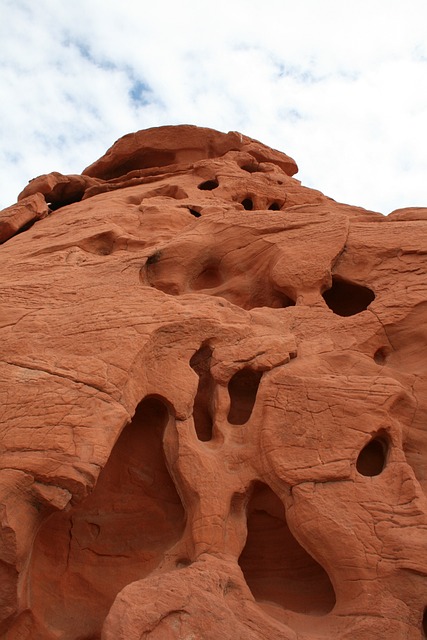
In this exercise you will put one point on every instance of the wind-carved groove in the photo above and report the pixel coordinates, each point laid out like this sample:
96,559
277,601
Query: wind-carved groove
202,416
243,389
278,570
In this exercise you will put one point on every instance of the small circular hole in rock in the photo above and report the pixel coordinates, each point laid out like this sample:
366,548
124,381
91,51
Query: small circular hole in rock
208,185
275,206
248,204
372,459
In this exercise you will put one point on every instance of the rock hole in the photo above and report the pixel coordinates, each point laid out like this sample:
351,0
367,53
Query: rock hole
248,204
424,623
181,563
285,301
208,185
155,257
347,298
372,459
137,515
380,355
194,213
209,278
101,244
250,168
275,206
277,569
170,191
201,364
243,389
24,227
58,203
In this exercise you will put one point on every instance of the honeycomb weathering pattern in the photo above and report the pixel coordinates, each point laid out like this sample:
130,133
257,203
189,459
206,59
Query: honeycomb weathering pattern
213,402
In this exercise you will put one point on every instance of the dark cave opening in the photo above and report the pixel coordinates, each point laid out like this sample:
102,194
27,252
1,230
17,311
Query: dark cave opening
347,298
208,185
372,459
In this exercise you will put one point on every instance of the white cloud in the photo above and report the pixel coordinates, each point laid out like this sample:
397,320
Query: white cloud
340,86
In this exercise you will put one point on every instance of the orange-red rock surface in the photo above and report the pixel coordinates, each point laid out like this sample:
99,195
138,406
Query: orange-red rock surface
213,407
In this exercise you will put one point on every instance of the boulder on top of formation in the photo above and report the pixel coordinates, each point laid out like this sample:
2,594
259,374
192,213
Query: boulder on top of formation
213,402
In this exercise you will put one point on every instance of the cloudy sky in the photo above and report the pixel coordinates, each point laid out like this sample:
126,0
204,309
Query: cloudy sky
339,85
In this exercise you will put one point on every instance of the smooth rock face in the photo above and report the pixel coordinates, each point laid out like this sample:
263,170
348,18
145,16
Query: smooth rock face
213,402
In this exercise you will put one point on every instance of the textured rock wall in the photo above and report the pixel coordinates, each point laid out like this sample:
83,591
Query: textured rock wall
213,402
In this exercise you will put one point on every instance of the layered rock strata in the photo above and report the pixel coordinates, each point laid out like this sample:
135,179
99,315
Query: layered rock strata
213,402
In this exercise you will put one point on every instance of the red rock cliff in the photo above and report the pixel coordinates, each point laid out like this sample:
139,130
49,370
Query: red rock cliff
214,402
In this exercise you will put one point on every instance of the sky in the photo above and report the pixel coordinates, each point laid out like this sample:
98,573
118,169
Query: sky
339,85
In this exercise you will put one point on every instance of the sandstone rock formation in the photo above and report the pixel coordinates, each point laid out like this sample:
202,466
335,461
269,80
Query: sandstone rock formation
213,402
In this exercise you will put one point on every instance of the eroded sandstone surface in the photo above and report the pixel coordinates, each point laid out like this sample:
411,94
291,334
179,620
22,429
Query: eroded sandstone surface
213,402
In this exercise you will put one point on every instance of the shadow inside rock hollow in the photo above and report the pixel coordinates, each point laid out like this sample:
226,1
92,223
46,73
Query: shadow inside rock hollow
278,570
82,558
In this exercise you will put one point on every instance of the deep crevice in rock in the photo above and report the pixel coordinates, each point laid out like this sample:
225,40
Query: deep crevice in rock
347,298
243,389
201,363
277,569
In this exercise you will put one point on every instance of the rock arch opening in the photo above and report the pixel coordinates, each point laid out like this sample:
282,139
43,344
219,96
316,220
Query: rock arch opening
277,569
